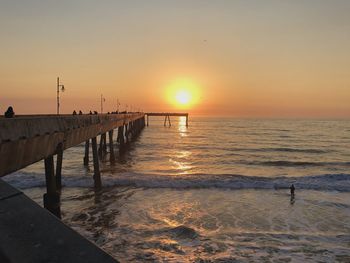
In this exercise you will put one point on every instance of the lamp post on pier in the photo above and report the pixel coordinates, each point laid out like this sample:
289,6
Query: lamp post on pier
118,105
102,100
59,87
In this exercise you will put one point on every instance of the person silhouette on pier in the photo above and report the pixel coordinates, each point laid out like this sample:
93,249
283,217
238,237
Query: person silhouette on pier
80,112
74,112
9,113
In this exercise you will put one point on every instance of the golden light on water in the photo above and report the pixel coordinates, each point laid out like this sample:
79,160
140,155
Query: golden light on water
183,93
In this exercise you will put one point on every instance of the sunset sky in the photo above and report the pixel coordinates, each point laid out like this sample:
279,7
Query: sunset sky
233,58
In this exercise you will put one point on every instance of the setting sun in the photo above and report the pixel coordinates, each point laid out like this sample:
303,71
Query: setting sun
183,97
182,93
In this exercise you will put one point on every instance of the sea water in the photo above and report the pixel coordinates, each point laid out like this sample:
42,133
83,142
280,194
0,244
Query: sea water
216,191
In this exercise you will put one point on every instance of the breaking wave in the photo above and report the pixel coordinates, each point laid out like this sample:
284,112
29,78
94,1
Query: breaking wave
328,182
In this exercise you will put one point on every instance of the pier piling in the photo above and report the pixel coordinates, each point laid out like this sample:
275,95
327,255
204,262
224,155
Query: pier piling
111,148
126,133
99,151
97,175
102,150
121,138
104,147
51,197
59,167
86,156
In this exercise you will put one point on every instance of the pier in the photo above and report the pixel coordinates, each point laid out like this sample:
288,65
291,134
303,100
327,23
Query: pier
27,139
167,116
29,233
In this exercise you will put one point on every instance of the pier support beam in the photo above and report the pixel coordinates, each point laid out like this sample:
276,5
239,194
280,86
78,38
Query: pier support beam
59,167
133,129
99,151
111,149
186,120
167,117
126,130
103,145
104,148
97,175
121,138
51,197
86,156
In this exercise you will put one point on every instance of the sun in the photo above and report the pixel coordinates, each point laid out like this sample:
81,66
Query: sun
182,93
183,97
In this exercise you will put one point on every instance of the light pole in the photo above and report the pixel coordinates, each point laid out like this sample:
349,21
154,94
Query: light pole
102,100
118,105
59,87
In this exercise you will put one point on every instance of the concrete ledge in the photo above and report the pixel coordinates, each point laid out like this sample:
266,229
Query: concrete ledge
31,234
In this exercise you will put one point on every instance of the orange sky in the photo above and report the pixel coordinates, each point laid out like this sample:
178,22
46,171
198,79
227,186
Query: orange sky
242,58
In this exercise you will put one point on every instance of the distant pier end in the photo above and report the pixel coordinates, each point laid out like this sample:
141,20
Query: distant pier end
167,116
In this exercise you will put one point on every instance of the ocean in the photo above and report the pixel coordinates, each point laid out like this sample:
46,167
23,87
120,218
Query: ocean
216,191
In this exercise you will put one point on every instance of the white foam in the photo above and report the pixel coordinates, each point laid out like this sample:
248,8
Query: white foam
331,182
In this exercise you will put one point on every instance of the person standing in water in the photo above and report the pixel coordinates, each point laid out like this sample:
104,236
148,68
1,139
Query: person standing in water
292,195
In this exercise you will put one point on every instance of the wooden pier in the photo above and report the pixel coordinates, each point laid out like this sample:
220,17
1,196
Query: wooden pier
27,139
166,116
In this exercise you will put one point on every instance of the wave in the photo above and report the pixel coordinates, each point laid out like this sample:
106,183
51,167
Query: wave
295,163
283,149
329,182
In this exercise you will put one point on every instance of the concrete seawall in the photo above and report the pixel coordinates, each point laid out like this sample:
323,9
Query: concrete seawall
31,234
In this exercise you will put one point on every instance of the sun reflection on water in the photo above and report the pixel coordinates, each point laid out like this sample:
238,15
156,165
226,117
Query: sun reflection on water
182,166
182,126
